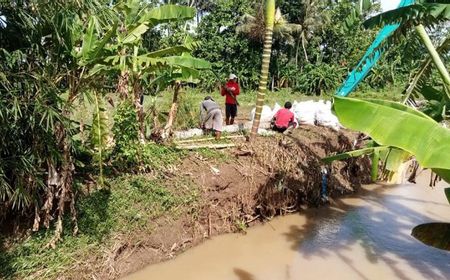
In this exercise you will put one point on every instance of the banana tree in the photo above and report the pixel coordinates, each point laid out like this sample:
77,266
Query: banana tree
396,125
117,48
269,7
184,68
423,13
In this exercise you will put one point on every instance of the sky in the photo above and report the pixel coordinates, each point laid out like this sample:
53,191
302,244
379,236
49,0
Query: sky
389,4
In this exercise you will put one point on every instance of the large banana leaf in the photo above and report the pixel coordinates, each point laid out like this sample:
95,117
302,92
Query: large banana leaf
399,106
427,12
396,126
92,49
168,51
167,13
189,62
135,34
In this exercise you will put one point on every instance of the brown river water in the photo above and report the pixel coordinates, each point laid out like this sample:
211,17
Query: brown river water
366,236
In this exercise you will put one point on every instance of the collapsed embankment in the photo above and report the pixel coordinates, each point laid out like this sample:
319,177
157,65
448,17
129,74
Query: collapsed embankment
183,200
247,185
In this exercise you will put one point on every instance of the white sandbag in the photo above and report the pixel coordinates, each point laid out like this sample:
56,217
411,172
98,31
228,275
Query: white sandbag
266,114
305,112
324,116
252,114
188,133
265,132
275,109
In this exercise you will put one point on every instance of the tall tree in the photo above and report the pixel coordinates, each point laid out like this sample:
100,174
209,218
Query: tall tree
269,8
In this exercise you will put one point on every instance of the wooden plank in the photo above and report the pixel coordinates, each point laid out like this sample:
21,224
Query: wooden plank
208,139
206,146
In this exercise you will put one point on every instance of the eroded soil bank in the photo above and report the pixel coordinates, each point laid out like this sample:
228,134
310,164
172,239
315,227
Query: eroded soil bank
243,186
361,236
148,218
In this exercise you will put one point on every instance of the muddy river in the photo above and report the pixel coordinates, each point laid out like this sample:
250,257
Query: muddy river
367,236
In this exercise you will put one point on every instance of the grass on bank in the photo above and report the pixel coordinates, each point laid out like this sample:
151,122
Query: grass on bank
128,208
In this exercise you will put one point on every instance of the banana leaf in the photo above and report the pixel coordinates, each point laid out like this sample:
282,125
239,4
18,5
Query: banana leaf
425,12
167,13
393,124
355,153
395,158
447,194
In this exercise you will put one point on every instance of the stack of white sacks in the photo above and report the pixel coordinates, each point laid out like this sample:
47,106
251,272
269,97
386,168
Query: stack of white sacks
306,113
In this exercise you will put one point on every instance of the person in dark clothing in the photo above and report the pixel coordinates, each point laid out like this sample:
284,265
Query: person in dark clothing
231,90
211,116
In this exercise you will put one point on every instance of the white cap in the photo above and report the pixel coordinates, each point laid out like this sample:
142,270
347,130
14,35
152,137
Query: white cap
232,76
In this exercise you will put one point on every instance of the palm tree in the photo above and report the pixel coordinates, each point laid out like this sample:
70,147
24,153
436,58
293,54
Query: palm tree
267,51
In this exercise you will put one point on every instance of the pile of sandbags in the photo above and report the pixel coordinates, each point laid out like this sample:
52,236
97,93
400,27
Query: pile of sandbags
324,116
306,113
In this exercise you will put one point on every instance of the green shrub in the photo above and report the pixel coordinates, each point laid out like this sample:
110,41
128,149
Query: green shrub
126,127
319,78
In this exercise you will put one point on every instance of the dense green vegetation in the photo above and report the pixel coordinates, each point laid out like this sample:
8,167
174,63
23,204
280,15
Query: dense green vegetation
87,87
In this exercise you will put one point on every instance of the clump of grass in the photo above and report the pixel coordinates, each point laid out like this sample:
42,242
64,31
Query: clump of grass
212,154
145,157
130,205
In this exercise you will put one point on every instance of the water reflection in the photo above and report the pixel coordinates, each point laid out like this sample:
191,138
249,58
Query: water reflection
381,228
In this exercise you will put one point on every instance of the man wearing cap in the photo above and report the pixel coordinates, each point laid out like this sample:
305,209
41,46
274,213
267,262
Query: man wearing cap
231,90
211,116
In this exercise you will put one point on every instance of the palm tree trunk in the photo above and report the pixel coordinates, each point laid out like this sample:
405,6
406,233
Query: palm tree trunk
434,56
269,17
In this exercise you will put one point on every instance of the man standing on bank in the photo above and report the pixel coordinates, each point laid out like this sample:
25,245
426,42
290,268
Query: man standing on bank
231,90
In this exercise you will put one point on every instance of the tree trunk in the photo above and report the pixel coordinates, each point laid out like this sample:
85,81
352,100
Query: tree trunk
139,106
64,180
173,110
304,47
269,16
122,85
374,168
435,56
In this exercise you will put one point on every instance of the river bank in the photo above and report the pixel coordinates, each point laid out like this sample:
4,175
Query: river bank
362,236
148,218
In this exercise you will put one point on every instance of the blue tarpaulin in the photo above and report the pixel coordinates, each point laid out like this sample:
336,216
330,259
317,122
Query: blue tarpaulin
370,58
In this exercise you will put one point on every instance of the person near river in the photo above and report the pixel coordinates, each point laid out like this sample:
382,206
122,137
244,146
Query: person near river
284,119
231,90
211,116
